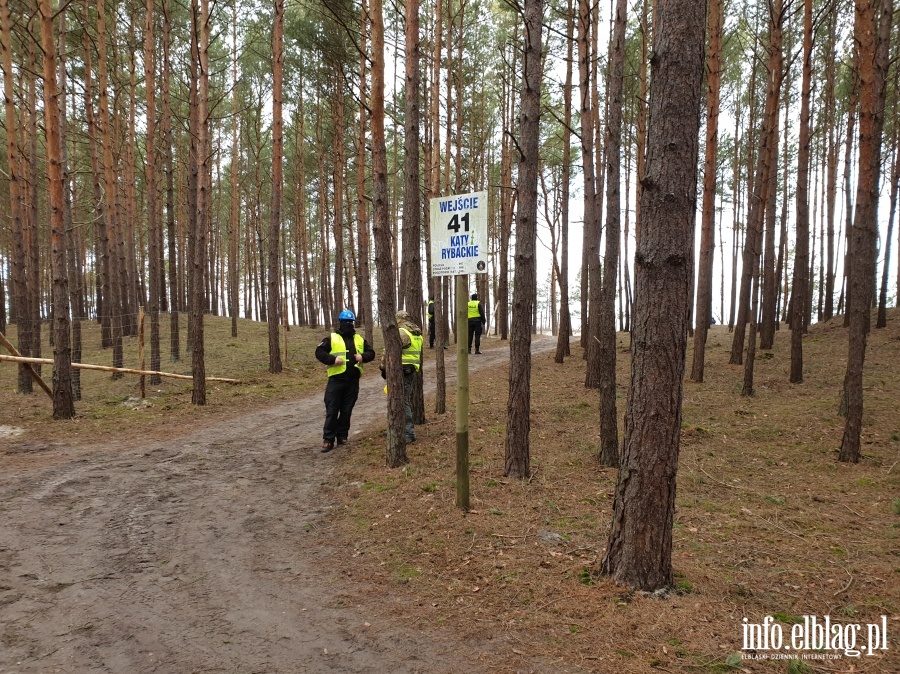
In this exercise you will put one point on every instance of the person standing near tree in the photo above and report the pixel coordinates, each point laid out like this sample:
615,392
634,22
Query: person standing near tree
344,352
477,322
411,342
430,322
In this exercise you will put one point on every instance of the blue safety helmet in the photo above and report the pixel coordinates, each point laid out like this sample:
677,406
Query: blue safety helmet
346,315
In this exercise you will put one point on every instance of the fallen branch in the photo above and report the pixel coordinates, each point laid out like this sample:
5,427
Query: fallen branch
107,368
845,588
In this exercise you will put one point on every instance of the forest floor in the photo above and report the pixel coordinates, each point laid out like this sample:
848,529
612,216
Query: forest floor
158,536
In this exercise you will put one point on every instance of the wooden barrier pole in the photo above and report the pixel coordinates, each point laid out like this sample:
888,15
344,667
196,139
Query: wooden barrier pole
107,368
34,375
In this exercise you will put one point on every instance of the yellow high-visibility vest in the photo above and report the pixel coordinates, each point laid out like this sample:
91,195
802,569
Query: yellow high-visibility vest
412,355
473,309
339,348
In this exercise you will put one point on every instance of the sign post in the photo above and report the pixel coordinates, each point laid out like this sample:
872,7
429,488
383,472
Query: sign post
459,248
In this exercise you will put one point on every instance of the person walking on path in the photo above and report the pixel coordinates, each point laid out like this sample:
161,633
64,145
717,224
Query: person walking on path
344,352
411,341
477,322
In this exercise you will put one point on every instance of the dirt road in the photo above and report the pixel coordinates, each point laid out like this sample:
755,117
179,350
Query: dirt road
200,553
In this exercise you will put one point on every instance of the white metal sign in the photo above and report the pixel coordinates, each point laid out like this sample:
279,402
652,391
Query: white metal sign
459,234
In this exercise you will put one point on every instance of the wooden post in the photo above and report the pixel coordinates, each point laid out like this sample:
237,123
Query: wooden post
462,393
141,351
34,375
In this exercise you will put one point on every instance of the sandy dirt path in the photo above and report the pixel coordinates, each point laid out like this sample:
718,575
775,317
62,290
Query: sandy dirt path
199,554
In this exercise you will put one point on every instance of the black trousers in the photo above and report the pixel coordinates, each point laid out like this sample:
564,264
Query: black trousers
475,328
431,333
340,397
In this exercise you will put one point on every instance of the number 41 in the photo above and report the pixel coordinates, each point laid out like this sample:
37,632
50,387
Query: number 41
454,223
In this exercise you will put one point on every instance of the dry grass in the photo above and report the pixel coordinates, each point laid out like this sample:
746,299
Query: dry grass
767,522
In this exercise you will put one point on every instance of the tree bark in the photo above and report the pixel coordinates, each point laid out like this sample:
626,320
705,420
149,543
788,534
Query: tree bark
18,263
831,172
762,182
411,290
881,321
396,437
198,261
518,407
590,271
703,312
175,304
274,294
606,348
639,552
63,399
234,219
363,269
872,31
116,276
563,347
74,266
800,287
153,223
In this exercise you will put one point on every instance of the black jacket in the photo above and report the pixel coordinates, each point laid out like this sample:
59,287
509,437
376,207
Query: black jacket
323,353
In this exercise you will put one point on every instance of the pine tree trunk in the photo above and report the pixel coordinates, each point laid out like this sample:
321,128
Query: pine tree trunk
198,261
762,182
411,286
563,347
234,220
274,293
872,32
363,269
166,131
831,179
437,283
590,271
153,213
703,313
106,135
639,553
881,321
396,437
18,262
606,348
63,398
74,270
101,251
800,287
337,207
518,407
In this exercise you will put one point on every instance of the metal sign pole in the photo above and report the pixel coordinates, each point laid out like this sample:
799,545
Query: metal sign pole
462,393
458,248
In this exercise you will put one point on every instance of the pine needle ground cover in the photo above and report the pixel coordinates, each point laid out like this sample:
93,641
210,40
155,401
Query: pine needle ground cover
768,522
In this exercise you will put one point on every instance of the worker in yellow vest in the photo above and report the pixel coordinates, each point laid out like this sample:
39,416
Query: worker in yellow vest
411,343
477,322
344,352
